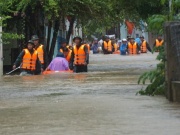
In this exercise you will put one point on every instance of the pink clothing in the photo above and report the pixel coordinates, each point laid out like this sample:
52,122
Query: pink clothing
59,64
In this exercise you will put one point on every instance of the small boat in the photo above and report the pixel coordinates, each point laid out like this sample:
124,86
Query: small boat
56,72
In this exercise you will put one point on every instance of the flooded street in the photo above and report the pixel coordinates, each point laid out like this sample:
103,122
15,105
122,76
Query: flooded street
100,102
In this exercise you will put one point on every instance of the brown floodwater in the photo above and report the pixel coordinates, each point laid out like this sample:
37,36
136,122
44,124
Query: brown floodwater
100,102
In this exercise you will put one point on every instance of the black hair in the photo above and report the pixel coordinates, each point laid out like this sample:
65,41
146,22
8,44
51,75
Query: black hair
66,50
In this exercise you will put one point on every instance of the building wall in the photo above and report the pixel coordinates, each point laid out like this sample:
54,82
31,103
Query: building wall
136,33
123,31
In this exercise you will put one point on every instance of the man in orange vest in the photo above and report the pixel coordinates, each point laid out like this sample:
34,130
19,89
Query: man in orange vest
144,45
28,60
107,46
64,46
80,56
41,53
133,47
115,46
159,41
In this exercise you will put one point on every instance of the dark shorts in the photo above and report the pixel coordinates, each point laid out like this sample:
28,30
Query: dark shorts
107,52
123,53
80,68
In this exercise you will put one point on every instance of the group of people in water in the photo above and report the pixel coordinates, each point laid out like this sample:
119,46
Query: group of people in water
33,58
125,46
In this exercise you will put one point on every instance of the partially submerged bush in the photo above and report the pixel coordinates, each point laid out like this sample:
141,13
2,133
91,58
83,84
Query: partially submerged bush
156,77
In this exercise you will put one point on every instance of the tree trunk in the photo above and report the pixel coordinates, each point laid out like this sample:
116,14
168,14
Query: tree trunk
48,36
70,29
53,43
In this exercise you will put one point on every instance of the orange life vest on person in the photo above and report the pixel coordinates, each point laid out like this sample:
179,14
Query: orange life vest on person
115,47
79,55
68,57
68,47
159,43
144,47
108,46
132,48
29,61
40,53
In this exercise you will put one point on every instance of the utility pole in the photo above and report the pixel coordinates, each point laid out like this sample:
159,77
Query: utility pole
1,50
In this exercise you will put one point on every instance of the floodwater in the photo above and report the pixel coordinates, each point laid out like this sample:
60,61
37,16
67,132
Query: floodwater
101,102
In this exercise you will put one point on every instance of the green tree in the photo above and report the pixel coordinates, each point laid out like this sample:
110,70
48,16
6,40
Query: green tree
91,15
157,76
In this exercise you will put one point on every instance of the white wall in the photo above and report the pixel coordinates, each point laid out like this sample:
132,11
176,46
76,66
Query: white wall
124,32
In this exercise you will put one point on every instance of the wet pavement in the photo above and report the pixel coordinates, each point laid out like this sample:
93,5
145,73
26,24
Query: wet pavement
101,102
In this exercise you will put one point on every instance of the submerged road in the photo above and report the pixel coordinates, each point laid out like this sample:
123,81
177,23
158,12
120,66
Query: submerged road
101,102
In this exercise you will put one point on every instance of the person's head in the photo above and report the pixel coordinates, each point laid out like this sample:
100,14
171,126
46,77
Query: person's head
66,52
128,38
131,40
30,45
159,37
35,39
106,38
64,43
142,38
119,42
60,55
95,41
77,40
124,41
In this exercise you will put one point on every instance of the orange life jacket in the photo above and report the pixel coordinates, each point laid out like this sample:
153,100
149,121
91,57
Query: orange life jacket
80,55
68,57
159,43
132,48
29,61
108,46
40,53
144,47
115,47
62,51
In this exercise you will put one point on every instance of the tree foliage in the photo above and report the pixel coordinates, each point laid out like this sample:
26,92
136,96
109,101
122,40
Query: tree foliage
155,24
92,15
156,77
30,16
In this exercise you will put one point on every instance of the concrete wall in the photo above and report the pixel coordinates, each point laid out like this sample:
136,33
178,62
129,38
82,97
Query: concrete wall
172,50
1,52
176,91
